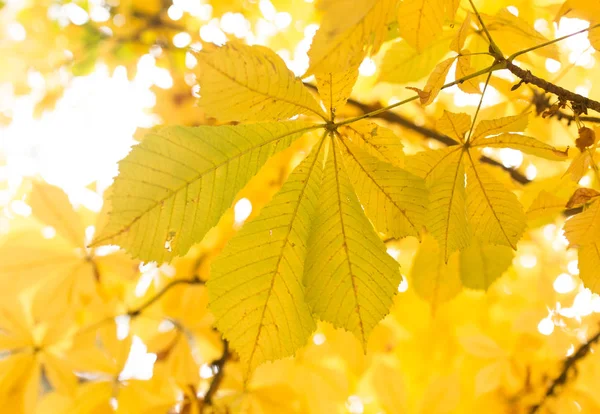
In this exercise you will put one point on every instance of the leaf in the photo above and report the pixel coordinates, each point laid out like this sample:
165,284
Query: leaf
175,185
481,265
465,29
454,125
545,205
335,88
579,166
523,143
350,279
51,206
495,214
250,83
258,276
376,140
582,196
516,123
420,21
394,199
463,69
433,279
584,228
403,64
342,43
589,263
446,217
434,83
431,164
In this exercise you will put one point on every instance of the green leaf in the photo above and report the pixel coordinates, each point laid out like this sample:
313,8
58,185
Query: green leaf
175,185
376,140
394,199
257,278
432,278
481,265
495,214
350,279
250,83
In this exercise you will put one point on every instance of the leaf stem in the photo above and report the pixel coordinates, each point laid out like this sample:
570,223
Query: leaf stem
514,55
194,281
495,50
487,81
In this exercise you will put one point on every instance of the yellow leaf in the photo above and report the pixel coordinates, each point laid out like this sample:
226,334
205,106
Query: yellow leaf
421,21
489,377
250,83
433,279
582,196
376,140
435,82
463,69
175,185
478,344
481,265
589,263
403,64
350,279
465,29
335,88
454,125
258,276
516,123
342,43
394,199
584,228
579,166
495,214
523,143
51,206
545,206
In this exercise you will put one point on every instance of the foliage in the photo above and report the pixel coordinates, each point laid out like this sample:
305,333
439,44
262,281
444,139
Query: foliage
395,259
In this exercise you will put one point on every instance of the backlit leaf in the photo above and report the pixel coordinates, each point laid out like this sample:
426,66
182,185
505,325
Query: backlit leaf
335,88
523,143
454,125
516,123
481,265
421,21
376,140
435,82
584,228
589,263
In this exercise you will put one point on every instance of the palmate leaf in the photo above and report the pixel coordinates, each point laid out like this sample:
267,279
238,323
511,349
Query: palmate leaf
584,228
250,83
175,185
376,140
394,199
257,279
421,21
342,43
335,88
350,279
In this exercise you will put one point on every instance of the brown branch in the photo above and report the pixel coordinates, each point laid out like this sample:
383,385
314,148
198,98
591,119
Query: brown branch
541,102
579,103
218,365
568,365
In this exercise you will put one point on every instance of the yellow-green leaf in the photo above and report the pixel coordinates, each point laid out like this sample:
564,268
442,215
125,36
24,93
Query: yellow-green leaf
335,88
376,140
481,265
584,228
175,185
250,83
51,206
432,278
394,199
454,125
257,278
350,279
523,143
589,263
343,42
516,123
446,217
403,64
421,21
495,214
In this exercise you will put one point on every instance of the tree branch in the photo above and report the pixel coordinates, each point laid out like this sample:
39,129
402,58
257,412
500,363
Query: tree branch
541,101
219,365
194,281
568,365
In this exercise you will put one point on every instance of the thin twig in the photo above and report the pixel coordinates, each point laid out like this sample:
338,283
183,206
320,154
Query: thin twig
541,102
568,365
218,365
194,281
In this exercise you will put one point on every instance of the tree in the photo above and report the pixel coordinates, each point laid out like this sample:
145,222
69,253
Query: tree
286,242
